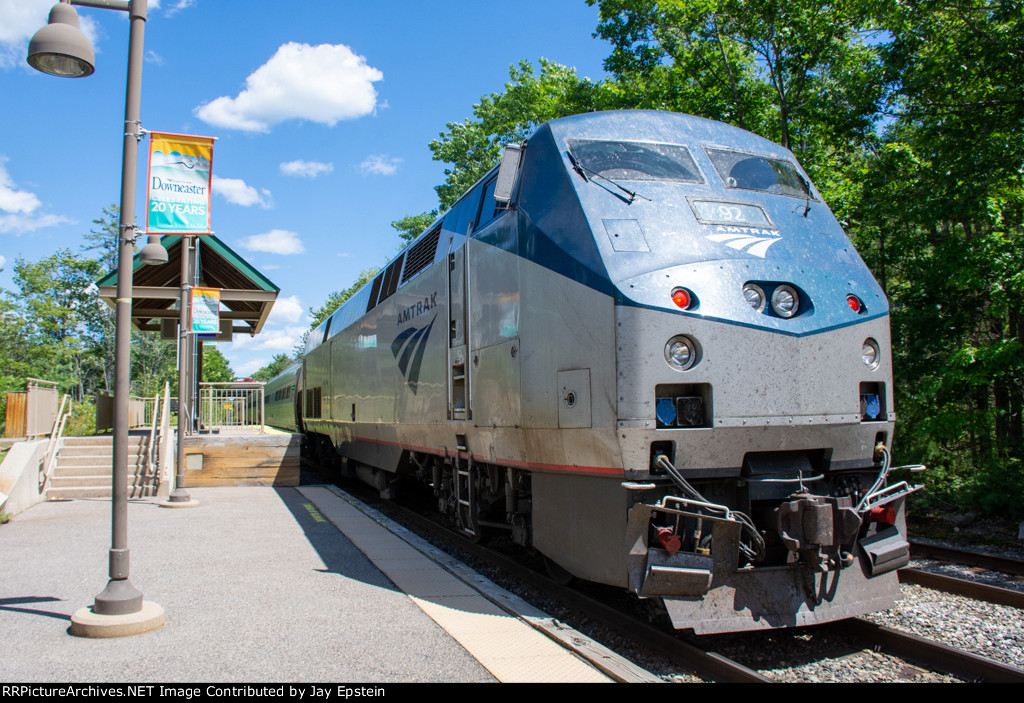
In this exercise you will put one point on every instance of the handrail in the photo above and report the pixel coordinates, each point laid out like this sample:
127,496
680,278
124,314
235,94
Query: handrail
166,438
150,463
56,435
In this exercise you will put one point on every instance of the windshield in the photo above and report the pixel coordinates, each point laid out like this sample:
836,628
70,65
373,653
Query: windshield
752,172
636,161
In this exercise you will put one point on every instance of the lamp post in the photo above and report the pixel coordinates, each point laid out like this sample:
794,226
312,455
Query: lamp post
60,49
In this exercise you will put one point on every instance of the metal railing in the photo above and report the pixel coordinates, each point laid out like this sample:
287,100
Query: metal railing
141,411
231,405
53,446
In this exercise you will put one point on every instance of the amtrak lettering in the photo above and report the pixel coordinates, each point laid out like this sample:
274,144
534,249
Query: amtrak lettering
414,311
752,240
411,343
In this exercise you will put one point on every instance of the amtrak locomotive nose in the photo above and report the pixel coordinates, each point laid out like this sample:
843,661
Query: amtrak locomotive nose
644,347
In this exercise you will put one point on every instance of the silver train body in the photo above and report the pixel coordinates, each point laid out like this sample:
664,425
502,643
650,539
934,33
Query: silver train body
645,347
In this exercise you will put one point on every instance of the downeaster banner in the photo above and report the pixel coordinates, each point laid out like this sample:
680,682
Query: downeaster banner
179,184
206,311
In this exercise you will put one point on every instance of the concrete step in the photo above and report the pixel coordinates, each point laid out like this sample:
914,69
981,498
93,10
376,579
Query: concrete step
54,493
101,440
99,481
97,459
100,470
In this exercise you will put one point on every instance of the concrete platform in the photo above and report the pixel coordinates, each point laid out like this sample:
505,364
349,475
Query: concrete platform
258,585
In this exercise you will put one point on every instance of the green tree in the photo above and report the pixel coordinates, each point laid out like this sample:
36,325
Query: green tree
56,302
797,72
278,364
103,238
412,226
216,368
939,213
473,147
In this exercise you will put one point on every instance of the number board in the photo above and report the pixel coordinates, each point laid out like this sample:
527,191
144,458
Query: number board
718,212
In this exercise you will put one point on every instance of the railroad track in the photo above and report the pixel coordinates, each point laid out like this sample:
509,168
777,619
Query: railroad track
929,653
968,588
709,664
705,663
991,562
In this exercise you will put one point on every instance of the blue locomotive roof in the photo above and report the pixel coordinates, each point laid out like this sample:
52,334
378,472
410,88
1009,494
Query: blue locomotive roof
691,220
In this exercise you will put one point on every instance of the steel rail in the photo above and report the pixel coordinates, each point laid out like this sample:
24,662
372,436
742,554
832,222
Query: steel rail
707,665
932,654
992,562
963,587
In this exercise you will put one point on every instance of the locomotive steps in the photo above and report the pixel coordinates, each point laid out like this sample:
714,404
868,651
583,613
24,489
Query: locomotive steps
84,465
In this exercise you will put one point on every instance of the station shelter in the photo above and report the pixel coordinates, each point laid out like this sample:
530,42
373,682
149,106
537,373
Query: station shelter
222,422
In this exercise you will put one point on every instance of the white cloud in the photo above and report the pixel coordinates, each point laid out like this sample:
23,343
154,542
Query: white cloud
178,6
305,169
11,199
380,165
20,224
2,261
238,192
280,340
324,83
23,18
250,367
17,207
276,241
286,310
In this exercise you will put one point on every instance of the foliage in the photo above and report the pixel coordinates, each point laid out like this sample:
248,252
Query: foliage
279,363
797,72
941,208
473,147
216,368
82,422
56,321
412,226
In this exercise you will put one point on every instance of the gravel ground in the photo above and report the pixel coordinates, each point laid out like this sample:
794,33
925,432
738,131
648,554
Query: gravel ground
993,631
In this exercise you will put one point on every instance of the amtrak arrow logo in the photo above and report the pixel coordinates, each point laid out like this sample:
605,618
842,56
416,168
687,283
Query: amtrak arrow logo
746,239
410,344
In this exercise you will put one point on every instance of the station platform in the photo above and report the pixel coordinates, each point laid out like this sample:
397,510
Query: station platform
259,585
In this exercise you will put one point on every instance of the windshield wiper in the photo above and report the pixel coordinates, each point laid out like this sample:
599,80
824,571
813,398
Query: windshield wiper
583,171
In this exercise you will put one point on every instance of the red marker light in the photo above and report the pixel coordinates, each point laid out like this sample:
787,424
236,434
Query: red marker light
681,297
854,303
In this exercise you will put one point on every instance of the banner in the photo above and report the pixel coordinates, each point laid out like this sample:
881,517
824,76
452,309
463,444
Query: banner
206,311
180,174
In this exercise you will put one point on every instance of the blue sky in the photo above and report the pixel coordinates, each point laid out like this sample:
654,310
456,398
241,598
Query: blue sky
322,114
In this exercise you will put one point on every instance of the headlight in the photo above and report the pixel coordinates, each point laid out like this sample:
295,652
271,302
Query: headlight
754,295
869,353
785,301
680,352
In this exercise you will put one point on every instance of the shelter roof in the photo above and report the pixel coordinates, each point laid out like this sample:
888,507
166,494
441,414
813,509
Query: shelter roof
247,294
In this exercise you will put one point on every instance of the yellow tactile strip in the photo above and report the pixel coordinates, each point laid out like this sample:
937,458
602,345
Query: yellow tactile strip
513,651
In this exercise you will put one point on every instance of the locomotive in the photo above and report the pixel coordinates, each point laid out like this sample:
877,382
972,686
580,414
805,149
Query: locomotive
642,345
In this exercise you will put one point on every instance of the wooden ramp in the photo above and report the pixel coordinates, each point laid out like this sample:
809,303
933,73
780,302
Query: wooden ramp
235,459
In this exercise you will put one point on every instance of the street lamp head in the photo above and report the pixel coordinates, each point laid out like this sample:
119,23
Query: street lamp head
153,253
60,48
